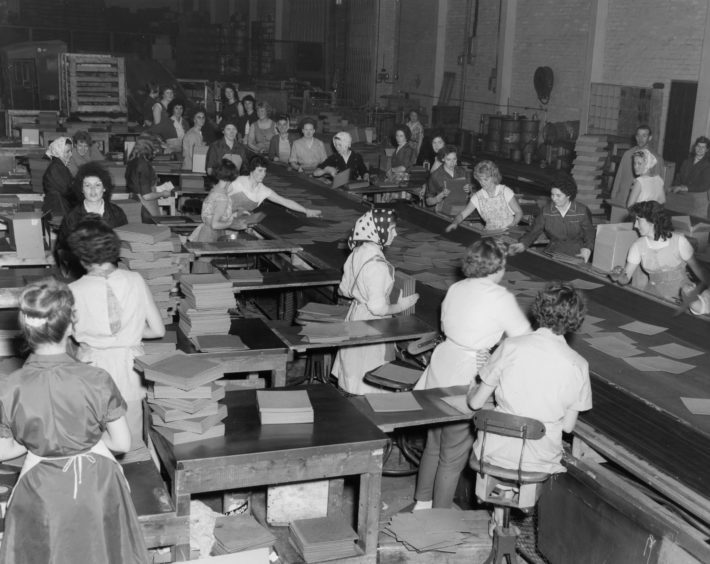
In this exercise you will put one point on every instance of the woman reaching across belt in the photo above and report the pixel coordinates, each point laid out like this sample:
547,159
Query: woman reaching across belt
71,503
368,279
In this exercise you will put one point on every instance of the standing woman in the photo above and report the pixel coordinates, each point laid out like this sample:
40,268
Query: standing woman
368,279
175,126
193,138
262,130
645,187
227,147
246,119
160,109
417,130
496,203
475,314
142,180
343,159
217,214
57,179
71,502
404,155
115,311
231,106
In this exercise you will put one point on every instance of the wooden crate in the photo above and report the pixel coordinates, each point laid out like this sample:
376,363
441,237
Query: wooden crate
92,84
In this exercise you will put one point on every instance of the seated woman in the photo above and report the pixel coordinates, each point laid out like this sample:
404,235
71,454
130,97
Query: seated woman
436,190
430,151
281,144
664,256
368,279
231,106
539,376
57,179
193,138
307,152
142,180
566,222
248,192
496,203
343,159
84,152
92,184
173,129
645,186
262,130
475,314
405,156
227,147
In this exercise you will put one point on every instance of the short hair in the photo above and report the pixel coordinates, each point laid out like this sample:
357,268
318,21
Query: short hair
225,170
564,183
487,169
45,312
82,136
656,214
144,148
198,110
559,307
283,117
94,242
308,121
93,169
234,89
167,87
264,105
702,139
174,103
249,98
484,257
152,88
404,129
646,127
258,161
447,150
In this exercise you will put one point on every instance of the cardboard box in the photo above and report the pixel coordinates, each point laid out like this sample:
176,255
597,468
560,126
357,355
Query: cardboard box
612,245
700,232
30,136
199,159
29,235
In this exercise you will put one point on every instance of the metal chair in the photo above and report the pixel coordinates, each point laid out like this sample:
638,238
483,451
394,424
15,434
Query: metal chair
504,487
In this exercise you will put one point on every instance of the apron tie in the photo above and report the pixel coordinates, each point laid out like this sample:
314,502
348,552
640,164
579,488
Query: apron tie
76,462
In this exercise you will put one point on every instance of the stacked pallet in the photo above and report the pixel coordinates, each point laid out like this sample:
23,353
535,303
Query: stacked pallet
154,252
588,168
184,397
205,307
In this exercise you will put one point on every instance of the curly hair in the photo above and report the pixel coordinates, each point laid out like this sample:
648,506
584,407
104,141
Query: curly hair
234,91
226,170
565,184
94,242
484,257
656,214
404,129
93,169
143,149
258,161
487,169
45,312
559,307
265,106
174,103
702,139
249,98
447,150
82,136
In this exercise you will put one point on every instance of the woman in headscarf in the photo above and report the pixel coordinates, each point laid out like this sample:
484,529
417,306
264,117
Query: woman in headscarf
368,279
141,179
645,187
343,159
57,180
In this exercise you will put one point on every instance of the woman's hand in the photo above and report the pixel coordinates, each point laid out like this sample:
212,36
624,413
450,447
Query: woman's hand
584,254
618,275
451,226
313,213
468,188
441,196
515,248
679,188
405,302
238,225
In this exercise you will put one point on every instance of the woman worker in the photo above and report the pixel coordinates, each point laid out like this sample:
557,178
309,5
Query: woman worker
281,144
115,310
368,279
308,151
405,156
193,138
160,109
645,187
496,203
57,179
694,181
475,314
84,152
142,180
663,255
262,130
343,159
231,106
538,376
228,147
436,190
566,222
94,186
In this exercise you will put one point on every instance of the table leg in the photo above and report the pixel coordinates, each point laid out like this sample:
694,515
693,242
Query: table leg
182,507
368,514
336,486
278,376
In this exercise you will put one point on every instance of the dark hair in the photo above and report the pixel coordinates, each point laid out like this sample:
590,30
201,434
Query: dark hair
559,307
94,242
198,110
152,88
173,103
249,98
266,106
46,308
702,139
284,117
306,121
487,168
167,87
484,257
646,127
447,150
258,161
404,129
225,170
234,89
82,136
93,169
654,213
564,183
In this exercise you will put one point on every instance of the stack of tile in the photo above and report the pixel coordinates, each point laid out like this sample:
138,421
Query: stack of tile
284,407
324,538
184,397
153,251
237,533
205,308
321,313
588,168
165,345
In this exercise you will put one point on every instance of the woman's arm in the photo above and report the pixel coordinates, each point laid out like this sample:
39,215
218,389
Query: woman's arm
290,204
463,214
517,211
622,275
10,448
251,139
569,420
154,328
634,193
157,112
219,221
117,436
478,394
698,270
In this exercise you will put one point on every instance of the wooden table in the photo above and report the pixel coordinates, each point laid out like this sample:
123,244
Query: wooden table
241,247
266,350
341,442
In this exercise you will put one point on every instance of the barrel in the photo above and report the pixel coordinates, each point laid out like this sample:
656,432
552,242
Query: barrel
495,124
529,131
492,146
511,130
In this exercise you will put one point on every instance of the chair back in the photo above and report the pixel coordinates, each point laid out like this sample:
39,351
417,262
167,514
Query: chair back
507,425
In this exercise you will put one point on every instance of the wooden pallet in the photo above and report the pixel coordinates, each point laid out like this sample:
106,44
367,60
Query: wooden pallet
92,84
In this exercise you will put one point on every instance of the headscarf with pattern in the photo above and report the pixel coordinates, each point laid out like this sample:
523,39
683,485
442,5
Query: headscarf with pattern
372,226
649,160
57,148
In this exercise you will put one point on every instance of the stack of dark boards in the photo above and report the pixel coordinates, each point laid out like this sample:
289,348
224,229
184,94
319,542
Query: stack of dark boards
218,343
205,307
442,530
284,407
324,538
236,533
184,397
322,313
167,344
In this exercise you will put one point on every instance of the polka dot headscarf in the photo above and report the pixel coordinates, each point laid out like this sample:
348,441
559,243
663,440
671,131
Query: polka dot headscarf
372,226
